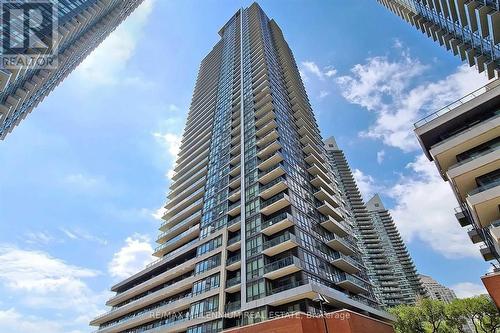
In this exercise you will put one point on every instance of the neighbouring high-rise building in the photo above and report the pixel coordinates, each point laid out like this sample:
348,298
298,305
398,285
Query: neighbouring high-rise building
254,225
81,26
470,29
435,290
463,139
389,265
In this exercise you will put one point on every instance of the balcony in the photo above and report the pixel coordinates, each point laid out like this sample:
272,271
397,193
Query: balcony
184,214
353,284
279,244
189,200
265,176
178,228
315,170
320,182
269,149
487,253
234,195
235,170
346,263
474,235
234,224
341,245
323,195
234,243
282,267
273,135
483,202
462,217
178,240
337,227
233,262
234,209
233,284
274,204
271,161
272,188
277,224
232,307
265,129
328,210
235,182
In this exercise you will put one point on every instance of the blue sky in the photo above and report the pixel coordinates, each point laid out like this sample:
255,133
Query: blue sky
84,175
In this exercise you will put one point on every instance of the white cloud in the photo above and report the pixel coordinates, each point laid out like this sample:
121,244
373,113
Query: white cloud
380,156
366,184
323,94
12,321
424,211
38,237
105,64
393,90
132,257
83,181
40,281
158,214
81,234
172,143
312,68
468,289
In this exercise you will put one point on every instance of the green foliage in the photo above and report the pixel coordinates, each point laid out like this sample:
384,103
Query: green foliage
429,316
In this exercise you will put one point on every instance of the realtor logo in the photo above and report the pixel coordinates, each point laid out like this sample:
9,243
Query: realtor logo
28,32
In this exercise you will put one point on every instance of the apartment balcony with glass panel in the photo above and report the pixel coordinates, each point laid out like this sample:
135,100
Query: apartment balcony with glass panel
235,170
268,175
483,202
270,137
184,214
324,183
234,195
270,161
279,244
265,129
178,240
324,195
232,307
353,284
233,261
186,202
266,151
234,224
234,182
273,187
233,284
346,263
274,204
328,210
178,228
341,244
282,267
277,223
340,228
317,170
234,243
234,209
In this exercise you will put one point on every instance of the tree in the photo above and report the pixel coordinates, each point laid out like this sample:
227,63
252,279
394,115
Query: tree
431,316
409,319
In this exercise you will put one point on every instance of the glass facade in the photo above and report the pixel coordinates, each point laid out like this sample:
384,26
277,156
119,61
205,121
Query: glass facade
22,89
253,197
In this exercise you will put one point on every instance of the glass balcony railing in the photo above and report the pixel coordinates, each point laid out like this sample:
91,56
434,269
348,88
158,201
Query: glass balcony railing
484,187
177,238
233,281
237,219
233,259
232,306
476,156
272,183
354,280
281,263
350,260
178,226
272,200
287,286
278,218
234,239
264,172
234,205
278,240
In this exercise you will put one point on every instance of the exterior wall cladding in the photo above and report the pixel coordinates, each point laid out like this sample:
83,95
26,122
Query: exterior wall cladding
82,25
389,265
255,224
470,29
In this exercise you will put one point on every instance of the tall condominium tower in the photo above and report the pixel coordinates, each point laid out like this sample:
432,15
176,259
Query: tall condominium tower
435,290
470,29
463,139
253,223
81,26
389,264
